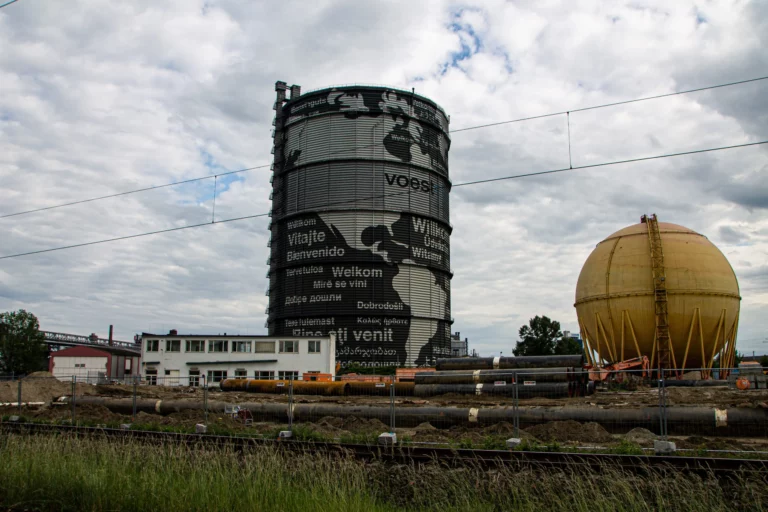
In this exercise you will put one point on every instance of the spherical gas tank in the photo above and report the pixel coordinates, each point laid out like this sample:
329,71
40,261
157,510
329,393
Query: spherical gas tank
615,297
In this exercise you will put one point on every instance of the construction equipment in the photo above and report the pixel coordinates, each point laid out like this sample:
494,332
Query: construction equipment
617,371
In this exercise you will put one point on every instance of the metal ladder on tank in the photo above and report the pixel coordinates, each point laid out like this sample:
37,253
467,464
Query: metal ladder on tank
662,341
659,290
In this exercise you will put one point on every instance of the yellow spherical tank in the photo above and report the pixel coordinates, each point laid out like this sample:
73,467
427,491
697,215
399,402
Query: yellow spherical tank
616,298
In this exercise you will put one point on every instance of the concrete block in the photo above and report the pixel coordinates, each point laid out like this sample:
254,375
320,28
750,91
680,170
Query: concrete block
14,419
201,429
513,442
388,439
285,434
664,447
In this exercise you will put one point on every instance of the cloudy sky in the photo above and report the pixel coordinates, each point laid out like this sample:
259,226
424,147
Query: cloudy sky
99,97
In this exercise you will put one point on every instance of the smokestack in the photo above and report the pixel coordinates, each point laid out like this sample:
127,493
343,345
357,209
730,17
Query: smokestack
110,335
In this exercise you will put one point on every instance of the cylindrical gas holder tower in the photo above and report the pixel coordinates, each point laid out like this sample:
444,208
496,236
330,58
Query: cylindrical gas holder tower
360,232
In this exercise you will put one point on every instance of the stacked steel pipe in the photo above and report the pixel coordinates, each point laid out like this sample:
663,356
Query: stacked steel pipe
533,376
525,377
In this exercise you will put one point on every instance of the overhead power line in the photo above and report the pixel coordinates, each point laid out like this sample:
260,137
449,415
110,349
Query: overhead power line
145,189
615,162
8,3
477,182
606,105
521,119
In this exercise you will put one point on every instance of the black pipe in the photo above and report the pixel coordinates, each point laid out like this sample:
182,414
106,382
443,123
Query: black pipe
681,420
690,383
559,374
508,363
540,389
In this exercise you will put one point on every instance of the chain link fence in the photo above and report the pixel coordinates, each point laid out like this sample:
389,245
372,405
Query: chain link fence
530,408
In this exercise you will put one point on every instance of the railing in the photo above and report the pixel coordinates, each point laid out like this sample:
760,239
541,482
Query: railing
76,339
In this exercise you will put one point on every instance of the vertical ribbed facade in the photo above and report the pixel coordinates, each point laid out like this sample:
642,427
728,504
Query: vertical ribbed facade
360,232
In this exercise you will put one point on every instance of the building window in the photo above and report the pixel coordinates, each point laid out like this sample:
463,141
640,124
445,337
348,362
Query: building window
264,347
289,347
79,365
287,375
240,373
194,377
152,376
173,345
195,346
265,375
241,346
153,345
314,346
217,346
216,375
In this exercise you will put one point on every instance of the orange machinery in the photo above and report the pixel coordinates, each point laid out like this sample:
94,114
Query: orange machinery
616,370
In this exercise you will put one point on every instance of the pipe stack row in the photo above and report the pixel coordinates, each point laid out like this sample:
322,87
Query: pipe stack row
524,377
683,420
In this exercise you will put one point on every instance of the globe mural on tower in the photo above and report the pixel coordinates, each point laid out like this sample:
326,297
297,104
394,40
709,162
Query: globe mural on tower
360,232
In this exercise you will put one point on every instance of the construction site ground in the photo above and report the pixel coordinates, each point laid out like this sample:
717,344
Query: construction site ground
564,433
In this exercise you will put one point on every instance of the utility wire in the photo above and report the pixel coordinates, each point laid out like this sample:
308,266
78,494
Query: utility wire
614,162
477,182
605,105
8,3
191,180
565,112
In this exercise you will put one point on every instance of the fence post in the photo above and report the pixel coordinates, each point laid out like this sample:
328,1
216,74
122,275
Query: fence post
662,406
515,408
135,390
205,398
392,406
19,404
74,384
290,405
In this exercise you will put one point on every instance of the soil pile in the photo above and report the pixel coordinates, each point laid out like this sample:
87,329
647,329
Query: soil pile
364,425
85,412
641,436
331,422
37,387
564,431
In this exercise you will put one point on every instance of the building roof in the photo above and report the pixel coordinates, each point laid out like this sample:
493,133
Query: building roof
81,352
229,336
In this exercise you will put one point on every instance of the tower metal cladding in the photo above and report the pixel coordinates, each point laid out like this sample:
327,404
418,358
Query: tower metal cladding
360,228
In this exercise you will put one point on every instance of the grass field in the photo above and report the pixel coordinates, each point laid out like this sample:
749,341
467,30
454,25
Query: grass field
69,473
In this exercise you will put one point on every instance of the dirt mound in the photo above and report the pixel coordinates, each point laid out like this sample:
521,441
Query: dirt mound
38,375
331,421
113,390
641,436
84,412
502,427
354,424
424,427
563,431
35,389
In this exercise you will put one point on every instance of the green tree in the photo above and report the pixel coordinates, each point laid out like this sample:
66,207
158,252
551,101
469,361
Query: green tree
764,361
22,346
538,338
565,346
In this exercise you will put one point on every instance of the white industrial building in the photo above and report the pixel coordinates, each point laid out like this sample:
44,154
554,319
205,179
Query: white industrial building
94,365
181,359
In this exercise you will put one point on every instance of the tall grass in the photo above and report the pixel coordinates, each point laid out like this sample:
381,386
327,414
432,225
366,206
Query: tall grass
70,473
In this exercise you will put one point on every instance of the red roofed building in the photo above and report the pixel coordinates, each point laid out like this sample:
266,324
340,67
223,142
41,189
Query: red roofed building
94,364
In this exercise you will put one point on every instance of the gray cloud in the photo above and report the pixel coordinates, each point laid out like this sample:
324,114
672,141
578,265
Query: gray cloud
100,98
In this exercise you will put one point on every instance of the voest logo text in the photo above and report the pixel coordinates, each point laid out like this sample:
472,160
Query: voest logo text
401,180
